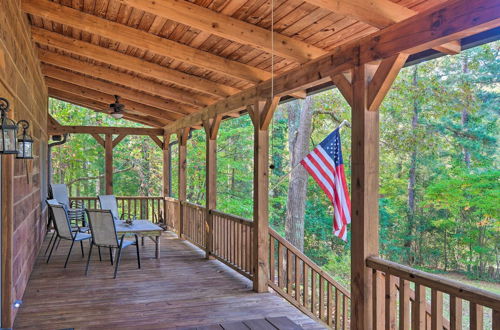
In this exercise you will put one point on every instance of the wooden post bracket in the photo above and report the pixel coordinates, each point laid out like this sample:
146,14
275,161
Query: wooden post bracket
211,127
265,109
98,138
158,142
380,83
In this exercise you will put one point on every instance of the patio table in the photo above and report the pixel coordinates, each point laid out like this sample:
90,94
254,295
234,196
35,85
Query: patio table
143,228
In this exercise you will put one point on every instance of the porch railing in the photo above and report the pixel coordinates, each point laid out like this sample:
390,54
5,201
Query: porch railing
140,207
233,241
172,214
401,297
194,224
396,302
303,283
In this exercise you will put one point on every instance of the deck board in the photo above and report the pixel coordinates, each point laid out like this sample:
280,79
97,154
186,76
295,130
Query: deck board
181,289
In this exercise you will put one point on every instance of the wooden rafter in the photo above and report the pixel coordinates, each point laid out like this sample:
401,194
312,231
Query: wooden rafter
129,62
448,22
111,89
147,86
91,94
229,28
96,130
141,39
378,13
100,107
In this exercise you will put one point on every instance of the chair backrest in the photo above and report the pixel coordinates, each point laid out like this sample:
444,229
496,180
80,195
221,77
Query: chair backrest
108,202
60,193
61,221
103,228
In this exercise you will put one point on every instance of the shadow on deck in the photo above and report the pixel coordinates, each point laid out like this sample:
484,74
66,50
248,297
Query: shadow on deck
181,289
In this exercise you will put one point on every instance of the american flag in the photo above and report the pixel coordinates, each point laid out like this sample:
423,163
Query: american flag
326,166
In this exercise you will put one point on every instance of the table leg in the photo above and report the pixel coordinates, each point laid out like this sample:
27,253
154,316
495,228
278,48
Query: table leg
142,240
157,245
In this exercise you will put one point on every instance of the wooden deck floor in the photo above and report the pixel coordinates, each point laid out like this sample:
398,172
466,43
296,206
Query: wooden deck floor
181,289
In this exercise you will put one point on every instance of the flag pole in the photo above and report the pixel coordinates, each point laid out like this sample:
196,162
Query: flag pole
345,122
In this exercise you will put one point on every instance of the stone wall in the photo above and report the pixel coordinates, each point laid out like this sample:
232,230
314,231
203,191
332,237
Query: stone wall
23,181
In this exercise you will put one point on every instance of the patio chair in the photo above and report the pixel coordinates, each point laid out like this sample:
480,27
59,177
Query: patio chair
63,229
59,192
74,227
102,226
108,202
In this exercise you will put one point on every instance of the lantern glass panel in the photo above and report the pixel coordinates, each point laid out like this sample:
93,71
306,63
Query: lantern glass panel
8,140
25,149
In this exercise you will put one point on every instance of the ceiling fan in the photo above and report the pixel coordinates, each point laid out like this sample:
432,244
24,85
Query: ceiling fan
116,108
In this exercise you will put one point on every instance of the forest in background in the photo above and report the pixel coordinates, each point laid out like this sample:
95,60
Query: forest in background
439,175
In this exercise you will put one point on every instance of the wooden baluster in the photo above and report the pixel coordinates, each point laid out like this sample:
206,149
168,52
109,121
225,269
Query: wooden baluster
321,298
281,266
297,279
496,319
345,317
305,284
128,206
390,301
418,315
476,316
289,272
314,293
455,313
378,297
238,246
329,304
404,304
338,309
244,248
436,310
271,259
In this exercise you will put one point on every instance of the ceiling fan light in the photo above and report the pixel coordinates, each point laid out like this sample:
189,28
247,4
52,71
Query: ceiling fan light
117,115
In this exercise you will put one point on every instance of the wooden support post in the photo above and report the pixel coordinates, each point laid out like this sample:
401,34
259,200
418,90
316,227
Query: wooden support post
108,147
261,114
211,127
166,174
182,137
7,243
369,85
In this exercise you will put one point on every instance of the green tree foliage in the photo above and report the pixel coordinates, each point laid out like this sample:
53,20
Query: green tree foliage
439,124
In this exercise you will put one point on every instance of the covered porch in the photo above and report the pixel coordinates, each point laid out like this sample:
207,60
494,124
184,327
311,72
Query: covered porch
218,268
180,290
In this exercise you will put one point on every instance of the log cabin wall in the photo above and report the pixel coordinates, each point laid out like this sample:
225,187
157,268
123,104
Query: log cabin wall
23,182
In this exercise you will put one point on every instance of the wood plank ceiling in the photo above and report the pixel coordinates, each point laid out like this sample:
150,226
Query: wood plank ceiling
171,58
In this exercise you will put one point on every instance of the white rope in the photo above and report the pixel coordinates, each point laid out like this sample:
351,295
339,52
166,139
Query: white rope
272,49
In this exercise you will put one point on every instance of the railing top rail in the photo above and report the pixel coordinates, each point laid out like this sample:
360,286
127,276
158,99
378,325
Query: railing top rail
171,199
460,290
231,216
193,205
310,263
117,197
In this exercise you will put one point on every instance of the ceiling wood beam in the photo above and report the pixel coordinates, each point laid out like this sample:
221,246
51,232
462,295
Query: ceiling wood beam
229,28
130,106
108,88
378,13
99,107
143,40
451,21
128,62
106,130
140,84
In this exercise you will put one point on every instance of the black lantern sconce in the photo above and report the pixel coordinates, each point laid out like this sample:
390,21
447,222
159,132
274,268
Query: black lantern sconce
8,132
10,143
24,142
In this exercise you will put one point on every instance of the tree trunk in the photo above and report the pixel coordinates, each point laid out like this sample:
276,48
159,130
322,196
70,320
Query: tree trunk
412,176
300,127
465,112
